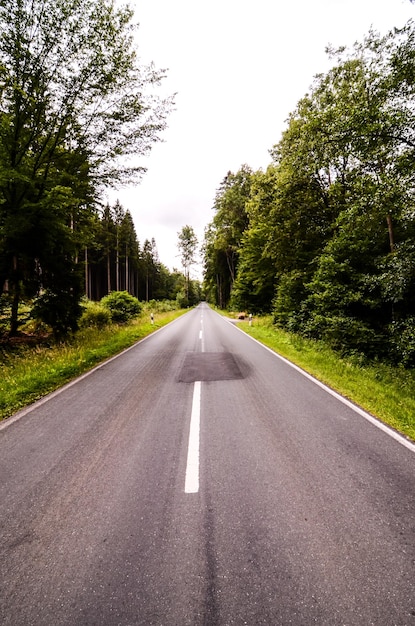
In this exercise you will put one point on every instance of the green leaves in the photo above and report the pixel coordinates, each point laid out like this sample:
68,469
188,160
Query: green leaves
329,229
75,105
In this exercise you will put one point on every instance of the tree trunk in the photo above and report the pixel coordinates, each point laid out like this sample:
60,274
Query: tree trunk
231,265
127,281
108,273
14,322
391,233
86,274
15,284
219,287
117,270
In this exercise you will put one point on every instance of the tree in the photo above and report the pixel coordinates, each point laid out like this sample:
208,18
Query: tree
73,108
216,273
302,211
352,138
150,263
254,285
331,224
187,246
131,251
108,242
223,236
231,218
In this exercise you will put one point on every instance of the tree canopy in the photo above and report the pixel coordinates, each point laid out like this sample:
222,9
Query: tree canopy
187,245
75,107
324,238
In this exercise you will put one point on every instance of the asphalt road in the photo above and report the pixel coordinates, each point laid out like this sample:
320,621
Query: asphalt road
198,479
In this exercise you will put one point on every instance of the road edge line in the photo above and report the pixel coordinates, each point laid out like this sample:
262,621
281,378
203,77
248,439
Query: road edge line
367,416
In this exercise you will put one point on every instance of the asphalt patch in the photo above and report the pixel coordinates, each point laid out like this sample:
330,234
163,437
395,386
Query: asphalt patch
209,366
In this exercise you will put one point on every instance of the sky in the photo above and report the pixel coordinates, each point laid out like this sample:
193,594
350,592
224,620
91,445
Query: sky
238,69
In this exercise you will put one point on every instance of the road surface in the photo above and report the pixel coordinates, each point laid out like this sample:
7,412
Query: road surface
198,479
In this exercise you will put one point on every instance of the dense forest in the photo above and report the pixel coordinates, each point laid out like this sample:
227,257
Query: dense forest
324,239
77,111
113,260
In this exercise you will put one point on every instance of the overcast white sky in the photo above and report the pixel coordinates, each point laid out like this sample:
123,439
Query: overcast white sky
239,68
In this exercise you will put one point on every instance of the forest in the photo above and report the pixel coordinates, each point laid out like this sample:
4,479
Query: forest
324,238
114,260
77,112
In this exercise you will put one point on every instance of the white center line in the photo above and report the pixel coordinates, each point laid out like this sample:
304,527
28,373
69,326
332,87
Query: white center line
192,468
202,339
201,335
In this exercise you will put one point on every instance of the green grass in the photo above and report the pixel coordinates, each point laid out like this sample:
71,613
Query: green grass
383,390
29,373
387,392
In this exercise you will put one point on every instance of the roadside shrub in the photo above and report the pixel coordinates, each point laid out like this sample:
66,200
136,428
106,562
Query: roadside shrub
346,335
60,309
95,315
160,306
182,300
122,306
288,300
403,342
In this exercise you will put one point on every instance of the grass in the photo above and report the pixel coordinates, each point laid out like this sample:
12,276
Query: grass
383,390
29,373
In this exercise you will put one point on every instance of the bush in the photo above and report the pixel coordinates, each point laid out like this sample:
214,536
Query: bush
160,306
345,334
182,300
288,302
403,342
122,306
95,315
60,309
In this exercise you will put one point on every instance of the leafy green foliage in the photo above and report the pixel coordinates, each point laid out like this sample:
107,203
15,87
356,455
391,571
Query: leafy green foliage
223,236
325,237
402,341
59,309
255,281
122,306
160,306
95,315
74,103
187,246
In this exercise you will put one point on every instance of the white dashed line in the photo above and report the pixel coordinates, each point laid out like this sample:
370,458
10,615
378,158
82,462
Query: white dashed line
192,468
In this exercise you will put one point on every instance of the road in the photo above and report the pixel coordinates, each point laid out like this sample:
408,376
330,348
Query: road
198,479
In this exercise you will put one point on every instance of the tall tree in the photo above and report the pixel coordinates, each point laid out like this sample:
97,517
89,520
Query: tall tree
187,246
151,265
223,236
254,286
131,250
352,138
231,217
73,106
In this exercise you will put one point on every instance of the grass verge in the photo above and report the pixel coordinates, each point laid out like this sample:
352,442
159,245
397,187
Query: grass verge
29,373
384,391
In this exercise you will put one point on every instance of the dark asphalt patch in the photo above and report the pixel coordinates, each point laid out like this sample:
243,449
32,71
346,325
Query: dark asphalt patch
208,366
